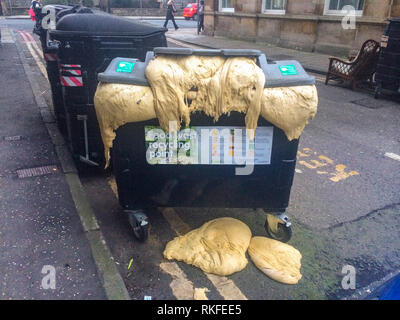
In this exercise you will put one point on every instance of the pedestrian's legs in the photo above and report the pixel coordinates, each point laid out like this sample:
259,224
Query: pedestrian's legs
201,23
166,22
175,25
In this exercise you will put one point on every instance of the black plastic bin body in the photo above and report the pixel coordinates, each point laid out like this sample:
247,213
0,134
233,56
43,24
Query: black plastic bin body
50,56
388,69
143,184
87,44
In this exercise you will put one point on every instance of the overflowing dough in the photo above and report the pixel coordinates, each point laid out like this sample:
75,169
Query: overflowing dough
118,104
222,85
181,85
218,247
277,260
290,109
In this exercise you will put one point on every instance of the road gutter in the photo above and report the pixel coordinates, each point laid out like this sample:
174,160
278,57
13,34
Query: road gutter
111,279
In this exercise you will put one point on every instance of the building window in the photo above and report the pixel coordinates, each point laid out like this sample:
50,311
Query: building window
274,6
226,6
335,7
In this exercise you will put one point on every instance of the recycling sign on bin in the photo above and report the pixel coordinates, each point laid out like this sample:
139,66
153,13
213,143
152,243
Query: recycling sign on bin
125,66
288,70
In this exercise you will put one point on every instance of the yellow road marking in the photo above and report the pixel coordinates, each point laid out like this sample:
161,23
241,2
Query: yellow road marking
29,45
341,174
182,288
37,60
335,172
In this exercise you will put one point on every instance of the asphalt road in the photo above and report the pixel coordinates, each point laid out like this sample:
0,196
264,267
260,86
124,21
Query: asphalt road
345,207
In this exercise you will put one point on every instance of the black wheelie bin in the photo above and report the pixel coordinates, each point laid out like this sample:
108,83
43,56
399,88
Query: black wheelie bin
49,49
86,45
387,76
209,182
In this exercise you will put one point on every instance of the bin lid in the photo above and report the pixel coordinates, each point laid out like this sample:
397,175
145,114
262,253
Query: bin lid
126,71
103,24
285,73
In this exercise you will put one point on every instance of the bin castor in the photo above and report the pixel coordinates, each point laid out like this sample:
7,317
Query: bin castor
278,227
139,223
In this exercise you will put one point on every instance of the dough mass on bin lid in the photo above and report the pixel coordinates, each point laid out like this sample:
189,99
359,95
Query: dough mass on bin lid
223,85
219,246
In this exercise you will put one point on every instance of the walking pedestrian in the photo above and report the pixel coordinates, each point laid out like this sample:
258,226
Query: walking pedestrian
171,9
200,25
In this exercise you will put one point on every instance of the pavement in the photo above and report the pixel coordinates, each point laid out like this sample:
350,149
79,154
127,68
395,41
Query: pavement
50,243
311,61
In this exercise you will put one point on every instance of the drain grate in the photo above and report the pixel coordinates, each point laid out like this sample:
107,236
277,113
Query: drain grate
35,172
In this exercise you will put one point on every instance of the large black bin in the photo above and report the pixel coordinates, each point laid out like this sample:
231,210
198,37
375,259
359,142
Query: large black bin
387,75
87,44
143,184
50,56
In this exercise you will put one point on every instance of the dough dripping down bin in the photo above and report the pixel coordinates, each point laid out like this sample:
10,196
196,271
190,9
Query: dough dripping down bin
214,161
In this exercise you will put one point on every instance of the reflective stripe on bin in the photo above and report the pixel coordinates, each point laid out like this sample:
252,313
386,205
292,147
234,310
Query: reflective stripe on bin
71,75
71,81
50,57
66,72
70,65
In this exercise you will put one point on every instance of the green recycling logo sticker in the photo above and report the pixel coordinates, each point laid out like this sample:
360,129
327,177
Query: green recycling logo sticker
124,66
288,70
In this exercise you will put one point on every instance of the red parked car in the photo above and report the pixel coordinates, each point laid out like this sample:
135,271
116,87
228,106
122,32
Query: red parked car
190,11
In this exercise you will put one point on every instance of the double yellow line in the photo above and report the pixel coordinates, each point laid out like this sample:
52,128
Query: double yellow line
34,50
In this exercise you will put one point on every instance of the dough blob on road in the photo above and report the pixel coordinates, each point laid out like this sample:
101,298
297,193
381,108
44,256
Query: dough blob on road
218,247
279,261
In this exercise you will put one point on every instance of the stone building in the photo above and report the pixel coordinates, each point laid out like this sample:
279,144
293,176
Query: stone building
309,25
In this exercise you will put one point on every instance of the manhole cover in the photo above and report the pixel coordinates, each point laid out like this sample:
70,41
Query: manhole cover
35,172
371,103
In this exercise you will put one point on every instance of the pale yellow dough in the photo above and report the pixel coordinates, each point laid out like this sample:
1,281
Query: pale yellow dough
290,109
277,260
222,85
218,247
118,104
215,86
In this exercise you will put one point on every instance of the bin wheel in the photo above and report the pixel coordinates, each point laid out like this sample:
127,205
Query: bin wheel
140,225
278,227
